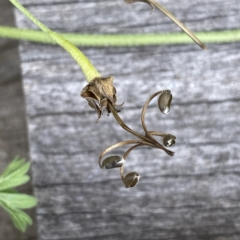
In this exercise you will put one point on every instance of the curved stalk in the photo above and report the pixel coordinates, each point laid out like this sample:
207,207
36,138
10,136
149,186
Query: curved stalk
148,139
175,20
125,127
155,133
119,144
130,149
144,112
125,156
122,172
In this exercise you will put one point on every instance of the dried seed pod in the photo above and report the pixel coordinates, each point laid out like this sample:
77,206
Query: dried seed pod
164,101
113,162
169,140
99,92
131,179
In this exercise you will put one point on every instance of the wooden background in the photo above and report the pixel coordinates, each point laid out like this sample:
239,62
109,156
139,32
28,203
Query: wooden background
193,195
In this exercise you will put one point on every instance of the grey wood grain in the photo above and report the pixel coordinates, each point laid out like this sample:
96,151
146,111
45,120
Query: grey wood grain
192,75
117,17
193,195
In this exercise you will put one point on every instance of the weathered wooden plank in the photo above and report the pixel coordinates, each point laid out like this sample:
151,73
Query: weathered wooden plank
164,215
193,195
192,161
192,75
118,17
192,123
206,135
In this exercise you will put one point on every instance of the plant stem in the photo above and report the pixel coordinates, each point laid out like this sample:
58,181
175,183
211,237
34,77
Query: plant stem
175,20
125,127
100,40
88,69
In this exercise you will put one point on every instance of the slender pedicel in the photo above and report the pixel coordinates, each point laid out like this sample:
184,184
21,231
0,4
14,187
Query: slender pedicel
153,4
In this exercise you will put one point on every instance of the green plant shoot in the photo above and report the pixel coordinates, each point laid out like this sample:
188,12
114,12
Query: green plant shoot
120,40
88,69
10,199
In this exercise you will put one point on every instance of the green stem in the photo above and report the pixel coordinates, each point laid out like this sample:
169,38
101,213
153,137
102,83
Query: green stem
97,40
88,69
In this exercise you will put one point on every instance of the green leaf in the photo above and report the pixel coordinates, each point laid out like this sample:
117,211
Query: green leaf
14,175
15,182
88,69
18,200
14,165
12,201
9,191
20,219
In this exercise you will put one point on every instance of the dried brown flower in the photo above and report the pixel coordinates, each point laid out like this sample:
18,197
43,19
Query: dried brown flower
99,93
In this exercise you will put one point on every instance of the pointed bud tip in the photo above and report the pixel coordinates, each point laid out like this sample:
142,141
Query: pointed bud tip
164,101
131,179
113,162
169,140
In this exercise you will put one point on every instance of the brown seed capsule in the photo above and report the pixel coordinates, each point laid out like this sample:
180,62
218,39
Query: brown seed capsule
99,92
164,101
113,162
169,140
131,179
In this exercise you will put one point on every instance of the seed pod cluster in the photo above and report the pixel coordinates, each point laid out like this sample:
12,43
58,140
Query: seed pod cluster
115,161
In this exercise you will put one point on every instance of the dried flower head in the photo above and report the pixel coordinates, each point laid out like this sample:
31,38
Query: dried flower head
103,89
99,93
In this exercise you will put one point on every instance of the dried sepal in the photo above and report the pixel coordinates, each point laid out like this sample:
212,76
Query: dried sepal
131,179
169,140
99,93
164,101
153,4
113,162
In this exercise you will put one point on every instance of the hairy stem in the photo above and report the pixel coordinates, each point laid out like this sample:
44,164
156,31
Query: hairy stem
120,40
